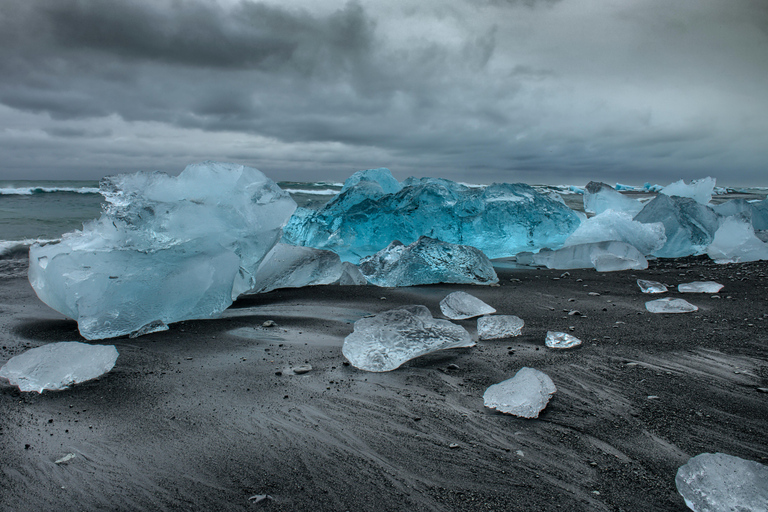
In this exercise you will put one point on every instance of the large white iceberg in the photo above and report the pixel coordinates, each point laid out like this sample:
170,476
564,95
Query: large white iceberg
699,190
599,197
165,249
735,242
602,256
525,394
611,225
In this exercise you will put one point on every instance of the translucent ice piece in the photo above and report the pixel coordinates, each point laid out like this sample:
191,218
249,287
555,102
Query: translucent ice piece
698,190
599,197
57,366
716,482
561,340
461,305
670,305
526,394
499,326
603,256
618,226
382,177
651,286
699,287
735,242
389,339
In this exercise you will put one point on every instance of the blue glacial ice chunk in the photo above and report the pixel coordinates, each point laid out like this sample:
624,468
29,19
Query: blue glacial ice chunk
688,225
619,186
461,305
599,197
670,305
427,261
716,482
57,366
602,256
494,327
561,340
611,225
735,242
165,249
652,188
382,177
384,342
651,286
525,395
699,190
500,220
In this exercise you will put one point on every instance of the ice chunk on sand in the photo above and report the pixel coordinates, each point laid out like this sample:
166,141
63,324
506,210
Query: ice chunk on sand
57,366
599,197
670,305
617,226
499,326
698,190
461,305
561,340
526,394
165,249
716,482
384,342
602,256
735,242
700,287
651,286
427,261
500,220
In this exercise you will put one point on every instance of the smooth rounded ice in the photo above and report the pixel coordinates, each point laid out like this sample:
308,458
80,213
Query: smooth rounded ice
526,394
717,482
461,305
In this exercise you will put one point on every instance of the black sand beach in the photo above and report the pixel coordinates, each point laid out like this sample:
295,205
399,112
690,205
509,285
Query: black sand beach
209,415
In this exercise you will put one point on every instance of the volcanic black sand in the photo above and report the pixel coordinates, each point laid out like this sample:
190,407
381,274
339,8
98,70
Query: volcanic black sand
210,416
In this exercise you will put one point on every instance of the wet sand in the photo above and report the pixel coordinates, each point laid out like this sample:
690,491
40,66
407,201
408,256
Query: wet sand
209,414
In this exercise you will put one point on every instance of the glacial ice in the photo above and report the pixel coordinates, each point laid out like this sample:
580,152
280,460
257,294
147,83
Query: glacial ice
611,225
384,342
735,242
427,261
165,249
699,287
602,256
698,190
495,327
561,340
599,197
526,394
500,220
651,286
461,305
381,176
670,305
57,366
717,482
755,211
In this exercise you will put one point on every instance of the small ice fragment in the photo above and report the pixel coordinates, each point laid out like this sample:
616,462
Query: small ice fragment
561,340
258,498
58,365
669,305
715,482
68,457
525,395
499,326
699,287
384,342
651,286
461,305
301,370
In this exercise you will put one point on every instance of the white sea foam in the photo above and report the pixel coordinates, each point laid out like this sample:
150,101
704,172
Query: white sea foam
324,192
28,191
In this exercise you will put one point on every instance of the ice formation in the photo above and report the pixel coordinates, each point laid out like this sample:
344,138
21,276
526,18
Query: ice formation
698,190
427,261
561,340
651,286
699,287
57,366
735,242
384,342
670,305
716,482
611,225
526,394
165,249
461,305
599,197
602,256
756,211
494,327
500,220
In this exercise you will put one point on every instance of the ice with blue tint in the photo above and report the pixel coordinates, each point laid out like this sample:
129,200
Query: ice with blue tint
756,211
735,242
652,188
599,197
165,249
500,220
717,482
525,395
381,176
651,286
619,226
427,261
602,256
462,305
699,190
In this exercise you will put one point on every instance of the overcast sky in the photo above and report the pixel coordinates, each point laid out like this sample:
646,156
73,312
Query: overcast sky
536,91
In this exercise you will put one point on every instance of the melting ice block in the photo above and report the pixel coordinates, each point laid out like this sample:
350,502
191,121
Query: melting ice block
561,340
602,256
670,305
461,305
599,197
651,286
735,242
499,326
698,190
165,249
57,366
526,394
699,287
716,482
611,225
384,342
427,261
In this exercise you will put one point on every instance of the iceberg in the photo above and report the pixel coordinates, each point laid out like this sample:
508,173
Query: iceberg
651,286
57,366
602,256
525,395
670,305
165,249
716,482
461,305
382,177
500,219
561,340
427,261
599,197
699,190
735,242
384,342
699,287
611,225
756,211
499,326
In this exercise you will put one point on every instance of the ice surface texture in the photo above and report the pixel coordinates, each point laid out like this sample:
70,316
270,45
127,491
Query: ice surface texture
57,366
561,340
599,197
602,256
526,394
698,190
165,249
651,286
617,226
670,305
735,242
500,220
389,339
499,326
716,482
427,261
700,287
461,305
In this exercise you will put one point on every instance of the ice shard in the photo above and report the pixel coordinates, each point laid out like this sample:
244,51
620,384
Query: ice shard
525,395
494,327
427,261
384,342
165,249
699,287
602,256
611,225
670,305
599,197
698,190
500,220
57,366
461,305
651,286
561,340
735,242
716,482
